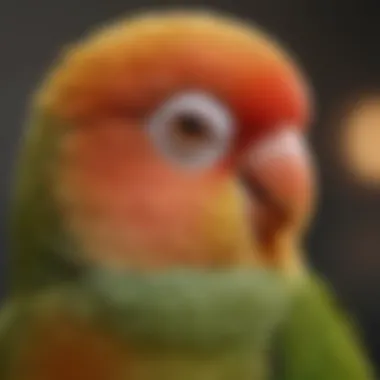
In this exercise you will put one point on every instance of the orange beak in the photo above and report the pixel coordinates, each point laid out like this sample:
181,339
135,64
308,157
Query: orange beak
278,172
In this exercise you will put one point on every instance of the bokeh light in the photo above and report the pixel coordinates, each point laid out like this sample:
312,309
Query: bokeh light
361,141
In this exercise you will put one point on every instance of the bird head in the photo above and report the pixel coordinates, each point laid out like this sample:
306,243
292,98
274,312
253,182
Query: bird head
179,141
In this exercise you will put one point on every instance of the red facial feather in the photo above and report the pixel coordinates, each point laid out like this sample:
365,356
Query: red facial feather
271,100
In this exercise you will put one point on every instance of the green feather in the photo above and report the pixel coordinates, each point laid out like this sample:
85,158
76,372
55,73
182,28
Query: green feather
37,240
318,341
204,310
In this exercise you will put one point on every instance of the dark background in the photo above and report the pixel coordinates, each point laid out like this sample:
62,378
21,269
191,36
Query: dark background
336,41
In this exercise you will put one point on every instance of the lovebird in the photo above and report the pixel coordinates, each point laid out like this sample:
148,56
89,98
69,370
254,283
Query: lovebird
163,189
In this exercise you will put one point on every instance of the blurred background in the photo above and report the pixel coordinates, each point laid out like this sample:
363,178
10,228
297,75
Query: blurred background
336,41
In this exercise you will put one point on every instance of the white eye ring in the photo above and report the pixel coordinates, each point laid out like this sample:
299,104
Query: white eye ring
216,124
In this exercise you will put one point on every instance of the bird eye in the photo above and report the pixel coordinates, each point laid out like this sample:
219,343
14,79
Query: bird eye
192,129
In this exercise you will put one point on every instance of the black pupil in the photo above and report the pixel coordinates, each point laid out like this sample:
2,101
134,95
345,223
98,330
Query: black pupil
191,126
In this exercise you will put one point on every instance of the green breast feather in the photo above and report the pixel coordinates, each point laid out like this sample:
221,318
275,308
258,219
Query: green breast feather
183,324
200,310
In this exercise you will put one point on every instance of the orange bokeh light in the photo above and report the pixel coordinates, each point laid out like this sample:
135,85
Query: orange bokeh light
361,141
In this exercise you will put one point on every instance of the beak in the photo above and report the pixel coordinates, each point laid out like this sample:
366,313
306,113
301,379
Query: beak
278,173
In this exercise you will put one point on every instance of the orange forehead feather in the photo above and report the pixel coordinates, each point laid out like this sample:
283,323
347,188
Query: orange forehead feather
131,67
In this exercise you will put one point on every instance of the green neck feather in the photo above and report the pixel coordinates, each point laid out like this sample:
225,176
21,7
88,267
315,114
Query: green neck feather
193,310
36,234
